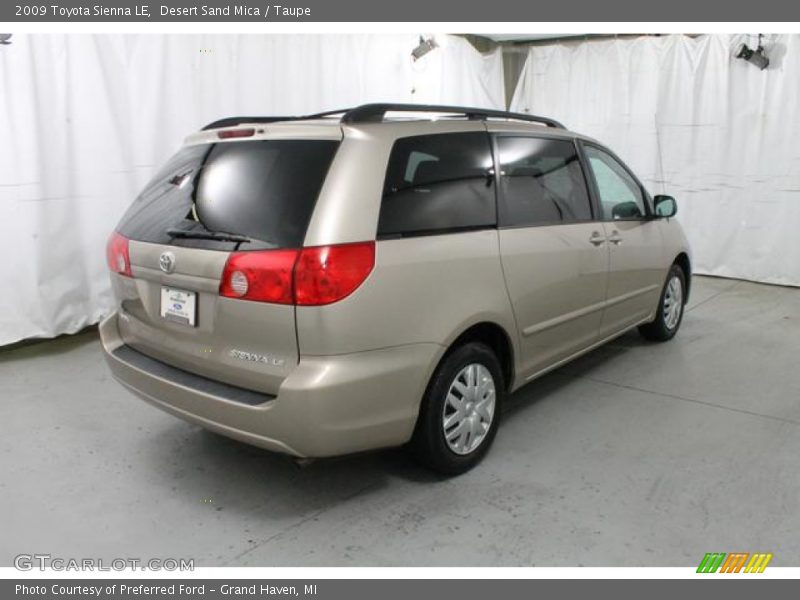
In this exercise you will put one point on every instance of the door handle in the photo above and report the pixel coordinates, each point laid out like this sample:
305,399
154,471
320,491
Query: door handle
615,238
489,176
597,239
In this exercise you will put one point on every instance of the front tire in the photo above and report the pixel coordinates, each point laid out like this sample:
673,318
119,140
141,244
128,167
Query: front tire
670,308
460,412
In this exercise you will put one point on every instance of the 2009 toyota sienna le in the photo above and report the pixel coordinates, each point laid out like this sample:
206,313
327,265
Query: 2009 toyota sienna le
382,276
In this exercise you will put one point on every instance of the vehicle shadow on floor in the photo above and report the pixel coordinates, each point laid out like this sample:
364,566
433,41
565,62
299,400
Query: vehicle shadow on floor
551,384
231,476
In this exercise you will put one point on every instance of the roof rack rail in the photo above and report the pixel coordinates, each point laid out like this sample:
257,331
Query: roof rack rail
375,113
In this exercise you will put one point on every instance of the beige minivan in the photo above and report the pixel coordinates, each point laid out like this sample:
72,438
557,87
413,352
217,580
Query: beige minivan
382,276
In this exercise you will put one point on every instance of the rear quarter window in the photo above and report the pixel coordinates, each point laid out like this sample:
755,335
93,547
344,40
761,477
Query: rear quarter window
438,184
264,189
541,183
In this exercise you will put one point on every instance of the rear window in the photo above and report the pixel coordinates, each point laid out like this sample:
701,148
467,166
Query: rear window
263,190
438,184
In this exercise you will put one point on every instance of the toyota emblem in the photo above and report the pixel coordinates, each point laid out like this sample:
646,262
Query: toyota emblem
167,262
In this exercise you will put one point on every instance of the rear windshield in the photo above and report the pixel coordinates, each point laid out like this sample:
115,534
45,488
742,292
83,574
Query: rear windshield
261,190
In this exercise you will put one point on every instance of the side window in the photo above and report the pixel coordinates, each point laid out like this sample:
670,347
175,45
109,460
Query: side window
438,183
542,182
620,195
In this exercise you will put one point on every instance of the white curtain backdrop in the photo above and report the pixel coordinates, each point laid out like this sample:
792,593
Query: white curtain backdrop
696,123
85,119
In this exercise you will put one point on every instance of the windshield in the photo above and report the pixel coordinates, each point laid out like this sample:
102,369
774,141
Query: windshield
264,191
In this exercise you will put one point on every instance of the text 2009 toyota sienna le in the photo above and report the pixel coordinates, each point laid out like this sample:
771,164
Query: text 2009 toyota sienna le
348,281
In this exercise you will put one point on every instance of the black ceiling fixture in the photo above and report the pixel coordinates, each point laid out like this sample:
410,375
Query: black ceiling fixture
424,47
755,57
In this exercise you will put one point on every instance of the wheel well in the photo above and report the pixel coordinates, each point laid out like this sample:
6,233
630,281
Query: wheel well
682,260
497,339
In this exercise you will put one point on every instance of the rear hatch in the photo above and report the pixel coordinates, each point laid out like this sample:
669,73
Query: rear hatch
214,201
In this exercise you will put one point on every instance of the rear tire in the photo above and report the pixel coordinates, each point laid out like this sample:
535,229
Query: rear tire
460,411
669,314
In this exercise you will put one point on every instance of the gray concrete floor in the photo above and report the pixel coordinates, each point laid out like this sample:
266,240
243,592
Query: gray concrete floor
638,454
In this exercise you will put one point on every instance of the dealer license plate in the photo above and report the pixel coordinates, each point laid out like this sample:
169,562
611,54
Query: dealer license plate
179,306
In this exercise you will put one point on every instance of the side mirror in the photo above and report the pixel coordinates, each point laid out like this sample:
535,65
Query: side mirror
665,206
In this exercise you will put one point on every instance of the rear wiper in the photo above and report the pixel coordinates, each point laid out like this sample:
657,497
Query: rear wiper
180,178
199,234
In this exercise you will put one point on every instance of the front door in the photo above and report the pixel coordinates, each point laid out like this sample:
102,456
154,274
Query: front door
635,263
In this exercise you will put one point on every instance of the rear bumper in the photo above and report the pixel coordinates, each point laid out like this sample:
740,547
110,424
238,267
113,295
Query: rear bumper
327,406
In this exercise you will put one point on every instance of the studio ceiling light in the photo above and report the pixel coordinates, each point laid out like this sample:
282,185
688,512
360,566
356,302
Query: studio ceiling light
754,57
424,47
5,38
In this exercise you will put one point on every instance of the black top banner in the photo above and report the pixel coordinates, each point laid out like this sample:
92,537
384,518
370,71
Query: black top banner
398,11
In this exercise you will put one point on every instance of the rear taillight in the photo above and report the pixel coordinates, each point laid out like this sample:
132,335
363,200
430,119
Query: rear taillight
117,255
263,276
326,274
309,277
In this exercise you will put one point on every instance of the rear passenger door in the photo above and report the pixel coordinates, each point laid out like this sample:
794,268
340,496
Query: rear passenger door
437,261
554,254
636,271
